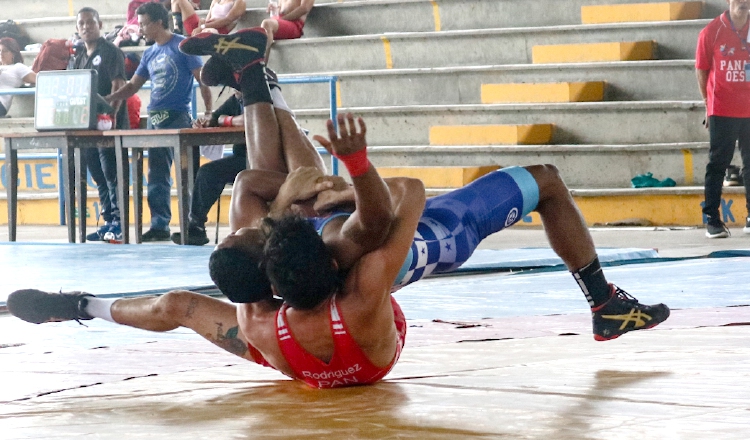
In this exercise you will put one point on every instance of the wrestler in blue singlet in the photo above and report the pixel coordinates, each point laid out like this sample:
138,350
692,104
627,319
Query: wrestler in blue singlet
453,224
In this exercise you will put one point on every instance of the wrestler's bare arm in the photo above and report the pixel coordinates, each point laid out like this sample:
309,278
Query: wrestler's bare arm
368,226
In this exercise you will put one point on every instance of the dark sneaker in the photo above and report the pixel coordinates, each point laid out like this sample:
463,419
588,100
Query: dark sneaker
38,307
240,49
623,313
99,234
196,236
746,229
716,228
156,235
114,235
733,176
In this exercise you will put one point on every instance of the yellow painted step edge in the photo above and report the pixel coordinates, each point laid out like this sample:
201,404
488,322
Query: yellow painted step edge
543,92
439,177
533,134
671,11
593,52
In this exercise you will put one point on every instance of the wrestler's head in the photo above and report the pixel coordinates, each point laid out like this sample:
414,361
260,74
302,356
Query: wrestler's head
235,267
300,267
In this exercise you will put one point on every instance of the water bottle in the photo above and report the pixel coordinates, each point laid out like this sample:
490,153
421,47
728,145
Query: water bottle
273,8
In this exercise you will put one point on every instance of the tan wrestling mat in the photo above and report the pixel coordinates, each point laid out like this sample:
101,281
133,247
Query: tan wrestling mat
687,379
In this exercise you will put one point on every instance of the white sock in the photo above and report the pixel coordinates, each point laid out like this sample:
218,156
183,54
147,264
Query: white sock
100,308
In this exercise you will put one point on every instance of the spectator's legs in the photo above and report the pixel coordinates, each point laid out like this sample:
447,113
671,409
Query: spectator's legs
723,133
185,19
210,182
94,165
159,187
109,167
744,145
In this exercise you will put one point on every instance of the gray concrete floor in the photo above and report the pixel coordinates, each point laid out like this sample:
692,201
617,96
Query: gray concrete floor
670,242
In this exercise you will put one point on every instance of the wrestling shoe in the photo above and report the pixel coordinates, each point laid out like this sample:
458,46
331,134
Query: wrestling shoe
37,307
716,228
196,236
240,49
623,313
99,234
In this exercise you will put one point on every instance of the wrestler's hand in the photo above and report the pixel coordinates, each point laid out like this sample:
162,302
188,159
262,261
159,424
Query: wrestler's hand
331,199
304,183
348,140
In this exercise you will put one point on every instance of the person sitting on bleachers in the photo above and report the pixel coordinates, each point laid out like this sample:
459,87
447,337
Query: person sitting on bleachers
222,16
13,73
286,21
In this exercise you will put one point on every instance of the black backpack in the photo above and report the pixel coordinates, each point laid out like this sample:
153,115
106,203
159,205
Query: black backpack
10,29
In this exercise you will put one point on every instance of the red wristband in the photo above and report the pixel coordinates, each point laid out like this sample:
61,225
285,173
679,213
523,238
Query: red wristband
356,163
227,121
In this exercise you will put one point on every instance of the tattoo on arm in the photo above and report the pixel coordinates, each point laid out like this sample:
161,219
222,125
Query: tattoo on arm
229,340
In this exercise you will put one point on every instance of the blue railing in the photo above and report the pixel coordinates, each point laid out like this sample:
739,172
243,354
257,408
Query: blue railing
331,80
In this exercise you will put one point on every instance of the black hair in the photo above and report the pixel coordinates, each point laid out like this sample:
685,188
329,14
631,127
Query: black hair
155,12
12,45
239,276
298,264
90,10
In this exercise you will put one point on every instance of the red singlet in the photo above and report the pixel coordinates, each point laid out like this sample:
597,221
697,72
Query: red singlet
349,365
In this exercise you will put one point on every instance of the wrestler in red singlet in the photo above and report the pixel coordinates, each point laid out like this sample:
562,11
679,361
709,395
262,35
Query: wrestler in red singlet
348,366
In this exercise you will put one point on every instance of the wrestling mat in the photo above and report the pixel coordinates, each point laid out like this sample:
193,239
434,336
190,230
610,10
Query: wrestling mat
502,350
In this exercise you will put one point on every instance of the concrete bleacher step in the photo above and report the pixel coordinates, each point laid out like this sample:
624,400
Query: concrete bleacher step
612,13
351,17
439,177
543,92
582,166
675,40
591,166
593,52
575,123
491,134
626,81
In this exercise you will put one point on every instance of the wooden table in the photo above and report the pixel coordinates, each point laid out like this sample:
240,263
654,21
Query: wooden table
69,143
74,177
182,140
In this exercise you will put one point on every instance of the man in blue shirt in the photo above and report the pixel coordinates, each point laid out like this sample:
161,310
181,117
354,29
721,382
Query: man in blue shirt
171,73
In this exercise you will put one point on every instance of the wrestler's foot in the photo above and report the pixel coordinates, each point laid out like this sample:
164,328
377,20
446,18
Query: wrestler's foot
38,307
240,49
623,313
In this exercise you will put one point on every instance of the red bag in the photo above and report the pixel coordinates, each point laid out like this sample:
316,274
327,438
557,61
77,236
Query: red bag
54,55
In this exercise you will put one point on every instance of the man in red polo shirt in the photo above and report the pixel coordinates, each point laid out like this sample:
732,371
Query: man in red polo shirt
721,63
